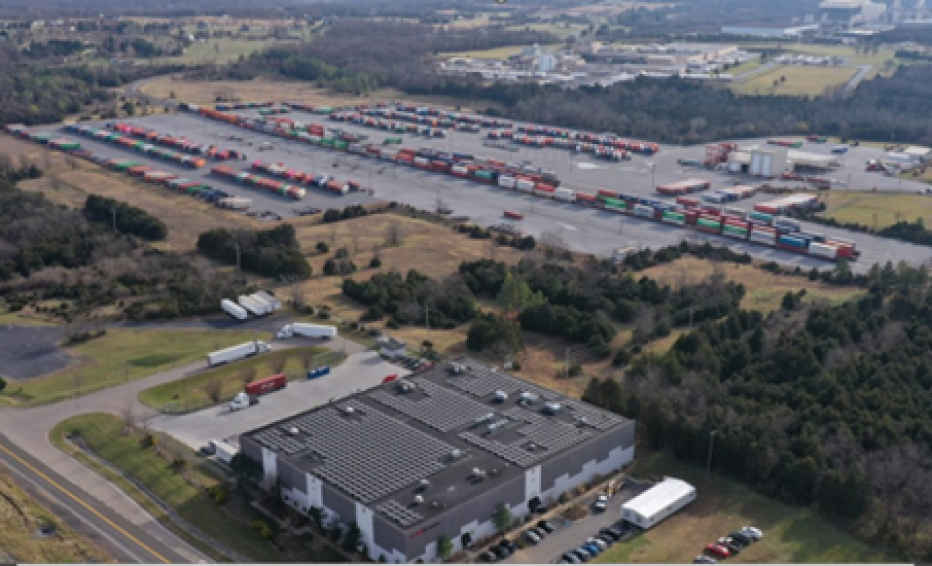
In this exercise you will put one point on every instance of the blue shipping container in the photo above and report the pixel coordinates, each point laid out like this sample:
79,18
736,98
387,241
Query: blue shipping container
795,242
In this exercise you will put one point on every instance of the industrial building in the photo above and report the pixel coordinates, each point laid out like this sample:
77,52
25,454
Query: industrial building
436,455
850,12
658,503
771,161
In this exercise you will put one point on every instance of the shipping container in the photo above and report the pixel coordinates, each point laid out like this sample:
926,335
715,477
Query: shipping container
710,225
644,211
762,217
763,236
734,230
514,215
823,250
266,385
792,244
613,204
672,217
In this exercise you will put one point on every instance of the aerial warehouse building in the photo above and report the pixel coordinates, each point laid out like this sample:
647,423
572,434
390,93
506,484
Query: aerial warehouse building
435,455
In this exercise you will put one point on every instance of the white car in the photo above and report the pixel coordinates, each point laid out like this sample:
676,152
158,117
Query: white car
601,544
532,537
753,532
601,503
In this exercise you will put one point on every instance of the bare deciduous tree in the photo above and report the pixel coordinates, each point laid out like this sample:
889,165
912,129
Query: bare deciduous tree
307,359
214,389
128,419
278,363
393,235
296,294
247,374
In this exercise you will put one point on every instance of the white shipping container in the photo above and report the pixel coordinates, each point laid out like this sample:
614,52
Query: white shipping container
763,237
643,211
421,161
313,330
525,186
564,194
506,181
276,304
823,250
255,308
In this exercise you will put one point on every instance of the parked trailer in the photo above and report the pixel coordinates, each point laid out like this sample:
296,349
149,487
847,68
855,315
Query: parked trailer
269,298
514,215
255,307
765,236
306,330
268,384
234,309
823,250
234,353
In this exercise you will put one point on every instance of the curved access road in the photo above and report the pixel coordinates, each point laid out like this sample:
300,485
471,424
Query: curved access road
90,503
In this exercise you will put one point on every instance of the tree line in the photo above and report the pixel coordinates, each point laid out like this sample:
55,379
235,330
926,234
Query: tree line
275,252
816,405
126,218
52,253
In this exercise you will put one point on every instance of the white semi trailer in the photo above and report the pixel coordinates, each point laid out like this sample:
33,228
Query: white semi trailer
256,308
235,353
234,309
306,330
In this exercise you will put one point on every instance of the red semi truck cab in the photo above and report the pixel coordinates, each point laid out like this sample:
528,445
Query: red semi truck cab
266,385
513,215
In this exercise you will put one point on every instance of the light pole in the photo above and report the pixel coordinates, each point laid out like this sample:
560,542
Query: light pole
708,464
651,165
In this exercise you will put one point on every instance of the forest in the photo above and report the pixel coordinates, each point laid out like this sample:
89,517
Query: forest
51,253
124,218
816,404
275,252
359,56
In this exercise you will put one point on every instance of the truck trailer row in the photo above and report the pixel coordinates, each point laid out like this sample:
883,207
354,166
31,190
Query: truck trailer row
143,147
179,143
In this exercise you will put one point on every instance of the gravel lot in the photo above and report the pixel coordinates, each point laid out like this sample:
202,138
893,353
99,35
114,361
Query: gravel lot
586,230
360,371
31,351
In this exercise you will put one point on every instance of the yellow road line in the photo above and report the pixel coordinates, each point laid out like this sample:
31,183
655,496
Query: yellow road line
84,504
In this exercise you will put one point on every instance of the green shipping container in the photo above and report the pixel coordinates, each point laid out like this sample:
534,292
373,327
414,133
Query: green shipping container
735,230
614,203
709,223
323,110
761,217
674,217
327,141
339,144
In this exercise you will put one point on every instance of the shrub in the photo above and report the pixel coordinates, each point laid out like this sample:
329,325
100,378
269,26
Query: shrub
375,263
263,528
372,313
322,247
2,384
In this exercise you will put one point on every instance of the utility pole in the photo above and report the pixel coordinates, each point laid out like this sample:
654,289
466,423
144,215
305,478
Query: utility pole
113,214
427,319
708,464
236,245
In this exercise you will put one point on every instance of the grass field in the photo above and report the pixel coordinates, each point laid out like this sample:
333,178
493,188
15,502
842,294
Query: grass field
878,61
745,67
21,517
800,80
864,207
228,524
120,356
218,50
189,394
497,53
764,290
791,534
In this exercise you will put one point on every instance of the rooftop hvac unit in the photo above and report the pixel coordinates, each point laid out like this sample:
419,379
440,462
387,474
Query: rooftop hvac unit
485,418
348,410
424,484
582,421
293,431
418,499
456,454
501,396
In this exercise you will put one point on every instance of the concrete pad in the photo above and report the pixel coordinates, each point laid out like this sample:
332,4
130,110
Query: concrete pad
360,371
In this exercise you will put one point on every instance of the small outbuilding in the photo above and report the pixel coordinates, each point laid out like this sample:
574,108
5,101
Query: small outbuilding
391,347
658,503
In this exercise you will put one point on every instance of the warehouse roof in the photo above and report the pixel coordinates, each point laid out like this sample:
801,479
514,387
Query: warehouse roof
379,446
659,497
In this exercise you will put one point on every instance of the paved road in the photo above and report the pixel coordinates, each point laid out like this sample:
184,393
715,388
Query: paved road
100,523
95,500
854,81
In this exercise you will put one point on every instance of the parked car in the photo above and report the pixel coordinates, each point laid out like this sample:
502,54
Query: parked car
741,537
571,558
615,533
592,548
546,525
730,545
609,541
601,503
583,554
532,537
717,550
488,556
501,552
704,559
753,532
512,547
600,543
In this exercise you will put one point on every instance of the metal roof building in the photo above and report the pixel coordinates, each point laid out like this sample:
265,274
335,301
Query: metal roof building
436,454
658,503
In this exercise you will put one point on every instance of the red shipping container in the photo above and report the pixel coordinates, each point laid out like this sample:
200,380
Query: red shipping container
266,385
513,215
686,201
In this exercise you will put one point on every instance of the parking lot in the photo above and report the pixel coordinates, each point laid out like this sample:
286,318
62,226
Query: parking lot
360,371
569,535
588,230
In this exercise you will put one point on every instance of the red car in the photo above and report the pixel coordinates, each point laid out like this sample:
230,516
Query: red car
717,550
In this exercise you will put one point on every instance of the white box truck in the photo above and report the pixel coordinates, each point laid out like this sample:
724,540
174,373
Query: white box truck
235,353
314,330
234,309
223,451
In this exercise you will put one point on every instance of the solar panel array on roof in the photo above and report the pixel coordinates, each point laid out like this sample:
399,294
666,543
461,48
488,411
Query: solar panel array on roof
597,418
482,381
368,455
399,513
441,409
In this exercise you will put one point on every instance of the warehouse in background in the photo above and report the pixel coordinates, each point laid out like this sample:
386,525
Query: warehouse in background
436,455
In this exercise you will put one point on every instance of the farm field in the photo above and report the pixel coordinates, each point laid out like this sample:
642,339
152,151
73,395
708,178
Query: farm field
878,60
119,356
184,491
497,53
800,81
765,290
219,50
791,534
21,517
867,207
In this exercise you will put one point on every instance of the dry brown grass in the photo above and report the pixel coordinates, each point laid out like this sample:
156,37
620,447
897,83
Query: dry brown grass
20,519
281,90
764,289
